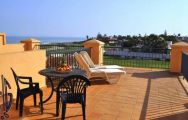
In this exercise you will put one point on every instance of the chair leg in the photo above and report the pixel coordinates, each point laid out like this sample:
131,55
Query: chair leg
41,102
17,100
34,99
21,106
83,110
63,110
57,104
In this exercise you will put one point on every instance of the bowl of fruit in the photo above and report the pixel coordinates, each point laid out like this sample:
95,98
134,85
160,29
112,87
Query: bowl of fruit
64,68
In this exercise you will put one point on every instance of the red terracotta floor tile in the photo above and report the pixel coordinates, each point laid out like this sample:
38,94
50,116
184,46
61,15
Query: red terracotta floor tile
141,94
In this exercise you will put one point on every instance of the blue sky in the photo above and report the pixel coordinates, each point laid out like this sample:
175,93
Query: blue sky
78,18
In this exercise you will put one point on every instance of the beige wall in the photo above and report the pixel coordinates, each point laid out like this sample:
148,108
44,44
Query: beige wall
8,48
2,38
96,48
30,44
27,63
176,56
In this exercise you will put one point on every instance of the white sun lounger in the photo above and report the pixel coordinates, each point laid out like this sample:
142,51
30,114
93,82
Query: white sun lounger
88,60
98,73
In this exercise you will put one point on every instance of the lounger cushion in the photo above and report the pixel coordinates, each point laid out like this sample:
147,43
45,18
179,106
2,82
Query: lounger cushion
87,59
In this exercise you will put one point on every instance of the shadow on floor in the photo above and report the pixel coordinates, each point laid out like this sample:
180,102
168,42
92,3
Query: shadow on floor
99,81
146,99
154,74
175,116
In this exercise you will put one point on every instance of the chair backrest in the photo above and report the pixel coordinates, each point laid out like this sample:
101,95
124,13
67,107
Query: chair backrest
72,86
87,58
16,78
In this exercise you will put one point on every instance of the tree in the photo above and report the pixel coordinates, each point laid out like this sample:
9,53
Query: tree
154,42
128,43
99,36
131,41
87,37
171,38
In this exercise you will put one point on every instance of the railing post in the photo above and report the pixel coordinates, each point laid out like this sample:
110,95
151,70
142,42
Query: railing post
176,56
30,44
96,47
2,39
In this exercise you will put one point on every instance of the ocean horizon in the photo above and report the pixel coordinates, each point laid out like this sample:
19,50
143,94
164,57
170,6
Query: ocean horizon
44,40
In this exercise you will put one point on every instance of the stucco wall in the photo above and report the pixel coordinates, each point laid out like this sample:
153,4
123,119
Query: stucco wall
176,56
27,63
2,38
8,48
96,48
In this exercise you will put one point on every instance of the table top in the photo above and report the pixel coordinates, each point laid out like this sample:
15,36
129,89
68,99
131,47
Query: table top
50,72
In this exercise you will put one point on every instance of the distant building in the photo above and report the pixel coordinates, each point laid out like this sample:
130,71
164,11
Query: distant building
183,38
113,41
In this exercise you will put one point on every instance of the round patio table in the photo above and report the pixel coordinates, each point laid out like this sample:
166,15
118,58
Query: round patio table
52,74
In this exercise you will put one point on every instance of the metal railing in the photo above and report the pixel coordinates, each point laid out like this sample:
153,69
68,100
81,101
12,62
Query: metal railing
130,57
61,54
137,57
6,99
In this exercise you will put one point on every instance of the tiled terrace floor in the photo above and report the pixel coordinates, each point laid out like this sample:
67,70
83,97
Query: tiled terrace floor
139,95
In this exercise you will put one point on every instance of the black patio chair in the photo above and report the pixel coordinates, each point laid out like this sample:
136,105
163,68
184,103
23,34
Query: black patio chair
33,89
72,89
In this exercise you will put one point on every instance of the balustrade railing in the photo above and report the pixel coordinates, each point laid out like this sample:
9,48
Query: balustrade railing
61,54
129,57
6,99
137,57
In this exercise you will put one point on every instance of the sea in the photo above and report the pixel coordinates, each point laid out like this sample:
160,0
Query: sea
45,40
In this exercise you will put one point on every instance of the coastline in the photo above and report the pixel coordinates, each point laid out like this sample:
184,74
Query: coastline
45,40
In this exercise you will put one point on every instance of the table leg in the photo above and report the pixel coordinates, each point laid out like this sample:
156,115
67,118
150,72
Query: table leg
52,89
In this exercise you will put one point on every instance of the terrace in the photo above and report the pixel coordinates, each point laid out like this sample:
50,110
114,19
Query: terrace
143,93
140,94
